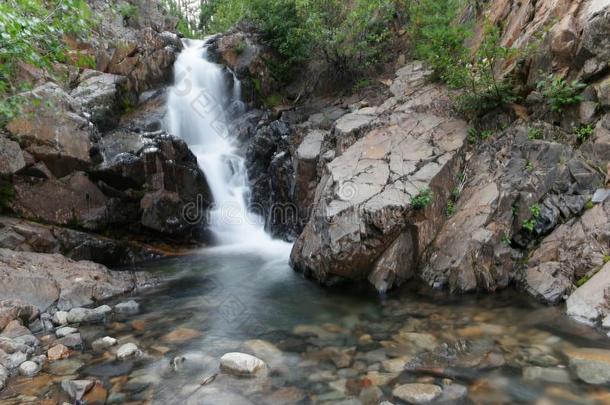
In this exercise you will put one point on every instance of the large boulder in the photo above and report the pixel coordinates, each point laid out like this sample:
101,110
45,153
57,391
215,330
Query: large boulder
52,128
160,174
76,201
45,280
364,207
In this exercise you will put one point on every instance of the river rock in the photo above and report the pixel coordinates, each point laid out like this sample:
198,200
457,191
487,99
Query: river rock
15,329
76,389
73,341
60,318
11,346
65,331
13,360
29,369
104,343
590,365
85,315
128,350
551,375
363,216
241,364
417,393
127,308
181,335
58,352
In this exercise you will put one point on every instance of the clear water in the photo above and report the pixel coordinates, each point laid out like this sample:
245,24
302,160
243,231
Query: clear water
229,299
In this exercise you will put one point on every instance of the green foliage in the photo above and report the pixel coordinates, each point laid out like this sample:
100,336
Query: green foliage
128,10
474,135
505,240
583,133
450,209
530,224
529,166
350,36
240,47
589,205
439,39
606,259
560,93
31,32
534,133
422,200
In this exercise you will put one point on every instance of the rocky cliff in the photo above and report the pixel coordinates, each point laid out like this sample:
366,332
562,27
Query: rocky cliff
391,185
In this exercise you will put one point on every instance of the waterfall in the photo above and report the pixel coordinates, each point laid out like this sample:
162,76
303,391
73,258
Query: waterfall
200,106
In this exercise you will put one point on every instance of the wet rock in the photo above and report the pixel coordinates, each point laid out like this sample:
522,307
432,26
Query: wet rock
76,389
417,393
29,369
104,343
13,360
589,303
590,365
86,315
65,331
128,350
551,375
58,352
241,364
72,341
453,394
181,335
11,346
60,318
96,395
46,279
286,396
127,308
65,367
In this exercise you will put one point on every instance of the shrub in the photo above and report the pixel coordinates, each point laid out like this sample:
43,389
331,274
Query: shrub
422,200
31,32
560,93
583,133
530,224
350,36
534,133
127,10
439,39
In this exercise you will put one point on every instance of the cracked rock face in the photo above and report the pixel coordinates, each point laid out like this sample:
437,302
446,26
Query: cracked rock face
363,214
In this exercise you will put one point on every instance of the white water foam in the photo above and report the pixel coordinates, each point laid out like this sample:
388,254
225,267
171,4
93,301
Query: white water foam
204,97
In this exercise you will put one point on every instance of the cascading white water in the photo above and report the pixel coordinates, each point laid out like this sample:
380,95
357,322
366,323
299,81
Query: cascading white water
200,104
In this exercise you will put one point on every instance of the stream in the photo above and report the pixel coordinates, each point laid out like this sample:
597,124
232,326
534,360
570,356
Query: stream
345,345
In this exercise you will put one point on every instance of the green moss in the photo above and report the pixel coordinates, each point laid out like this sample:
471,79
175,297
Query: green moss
273,100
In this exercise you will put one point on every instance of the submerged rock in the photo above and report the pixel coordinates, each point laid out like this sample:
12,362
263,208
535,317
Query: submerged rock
241,364
590,365
128,350
29,369
417,393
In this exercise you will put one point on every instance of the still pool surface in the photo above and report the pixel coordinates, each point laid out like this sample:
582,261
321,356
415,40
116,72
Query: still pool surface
347,346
